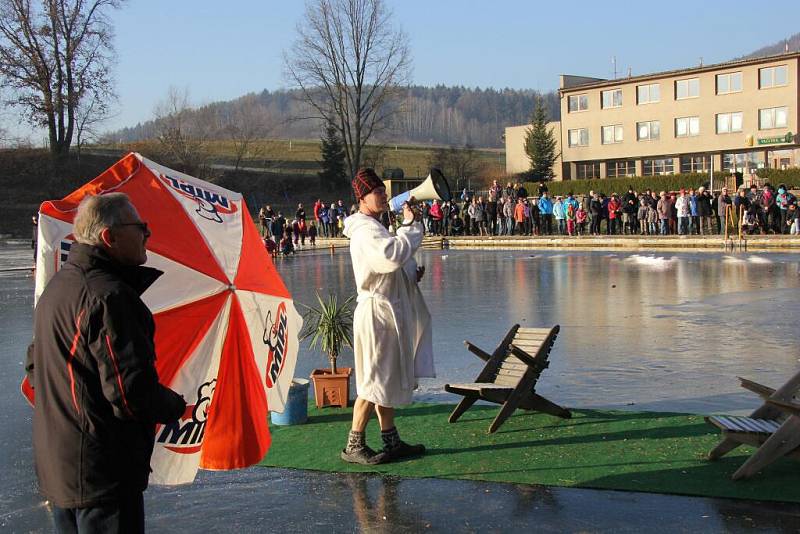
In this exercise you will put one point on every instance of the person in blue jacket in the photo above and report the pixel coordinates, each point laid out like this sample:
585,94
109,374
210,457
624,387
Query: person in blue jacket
546,213
694,220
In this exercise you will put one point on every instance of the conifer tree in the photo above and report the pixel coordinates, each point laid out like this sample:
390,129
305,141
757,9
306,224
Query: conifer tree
540,144
333,159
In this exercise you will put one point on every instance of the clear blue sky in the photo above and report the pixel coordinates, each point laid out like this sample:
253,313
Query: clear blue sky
222,49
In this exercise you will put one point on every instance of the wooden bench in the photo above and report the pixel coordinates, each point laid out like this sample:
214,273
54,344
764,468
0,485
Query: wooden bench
773,428
510,375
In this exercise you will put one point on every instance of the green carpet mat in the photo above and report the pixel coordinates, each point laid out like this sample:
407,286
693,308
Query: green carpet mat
637,451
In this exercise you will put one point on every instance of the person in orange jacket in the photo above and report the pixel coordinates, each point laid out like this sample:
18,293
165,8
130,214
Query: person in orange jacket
519,217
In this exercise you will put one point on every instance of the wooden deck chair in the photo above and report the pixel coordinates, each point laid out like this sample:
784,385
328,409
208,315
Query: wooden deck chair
774,428
510,374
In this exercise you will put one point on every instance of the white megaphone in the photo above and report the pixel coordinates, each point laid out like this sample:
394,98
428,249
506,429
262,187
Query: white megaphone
434,187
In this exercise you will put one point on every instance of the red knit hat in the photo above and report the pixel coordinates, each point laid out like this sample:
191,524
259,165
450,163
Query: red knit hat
365,182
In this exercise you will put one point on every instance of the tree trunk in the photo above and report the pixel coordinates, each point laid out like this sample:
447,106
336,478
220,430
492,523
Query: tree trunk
332,358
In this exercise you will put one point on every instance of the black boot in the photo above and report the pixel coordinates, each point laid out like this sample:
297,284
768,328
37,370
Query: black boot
395,448
357,451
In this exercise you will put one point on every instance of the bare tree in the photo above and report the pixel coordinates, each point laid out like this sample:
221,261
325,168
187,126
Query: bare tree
374,156
350,64
90,114
459,164
182,131
465,162
53,55
245,122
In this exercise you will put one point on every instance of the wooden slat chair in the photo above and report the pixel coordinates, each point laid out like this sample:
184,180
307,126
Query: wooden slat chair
774,428
510,374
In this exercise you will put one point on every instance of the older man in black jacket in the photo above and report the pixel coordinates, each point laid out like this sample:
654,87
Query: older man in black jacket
92,366
704,211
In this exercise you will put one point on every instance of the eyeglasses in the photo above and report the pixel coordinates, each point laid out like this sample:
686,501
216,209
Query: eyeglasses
142,226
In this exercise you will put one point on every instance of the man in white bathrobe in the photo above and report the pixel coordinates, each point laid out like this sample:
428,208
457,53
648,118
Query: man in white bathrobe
392,341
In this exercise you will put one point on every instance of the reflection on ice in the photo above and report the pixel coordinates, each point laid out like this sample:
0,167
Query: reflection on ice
758,259
654,262
636,328
641,332
734,259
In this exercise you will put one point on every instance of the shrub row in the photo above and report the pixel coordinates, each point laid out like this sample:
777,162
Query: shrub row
778,176
670,182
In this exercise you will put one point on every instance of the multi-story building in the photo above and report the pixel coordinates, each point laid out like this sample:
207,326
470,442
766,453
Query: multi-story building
743,115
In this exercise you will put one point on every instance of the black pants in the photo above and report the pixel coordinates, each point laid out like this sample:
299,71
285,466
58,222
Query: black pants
123,516
547,224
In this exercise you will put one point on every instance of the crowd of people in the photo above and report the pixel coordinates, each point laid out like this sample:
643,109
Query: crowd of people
286,235
509,210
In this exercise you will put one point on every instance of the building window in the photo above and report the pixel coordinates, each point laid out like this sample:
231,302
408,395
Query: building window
773,118
579,137
773,76
729,122
588,170
651,167
578,103
620,168
780,159
729,83
687,88
648,131
744,162
687,126
647,94
611,99
612,134
695,163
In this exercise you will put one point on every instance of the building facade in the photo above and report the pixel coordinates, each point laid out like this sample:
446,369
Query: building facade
741,115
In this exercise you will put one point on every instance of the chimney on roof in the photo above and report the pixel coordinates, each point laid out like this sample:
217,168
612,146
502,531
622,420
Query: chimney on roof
701,61
786,45
629,72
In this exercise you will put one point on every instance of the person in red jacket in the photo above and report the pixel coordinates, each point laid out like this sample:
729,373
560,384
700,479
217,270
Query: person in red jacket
317,215
436,218
614,211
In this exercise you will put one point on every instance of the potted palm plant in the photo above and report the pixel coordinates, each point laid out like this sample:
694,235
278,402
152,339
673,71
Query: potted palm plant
330,326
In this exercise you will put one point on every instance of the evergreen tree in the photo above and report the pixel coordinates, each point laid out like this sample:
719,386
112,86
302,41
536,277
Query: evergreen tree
540,144
333,162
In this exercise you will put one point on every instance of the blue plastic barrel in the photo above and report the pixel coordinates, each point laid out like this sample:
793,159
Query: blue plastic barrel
296,410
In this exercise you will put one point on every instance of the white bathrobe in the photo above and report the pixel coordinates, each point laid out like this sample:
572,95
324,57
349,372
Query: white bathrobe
392,340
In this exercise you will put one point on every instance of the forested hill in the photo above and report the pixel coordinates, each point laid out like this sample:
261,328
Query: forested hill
792,43
440,115
459,115
451,116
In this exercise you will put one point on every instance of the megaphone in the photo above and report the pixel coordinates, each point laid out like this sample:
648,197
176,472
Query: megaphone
434,187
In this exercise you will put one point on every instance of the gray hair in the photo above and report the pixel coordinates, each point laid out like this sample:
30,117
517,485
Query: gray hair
97,212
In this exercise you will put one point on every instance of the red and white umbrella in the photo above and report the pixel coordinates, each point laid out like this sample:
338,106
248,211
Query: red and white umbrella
226,327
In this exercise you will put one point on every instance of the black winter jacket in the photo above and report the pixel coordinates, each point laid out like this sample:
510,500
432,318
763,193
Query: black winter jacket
97,395
703,206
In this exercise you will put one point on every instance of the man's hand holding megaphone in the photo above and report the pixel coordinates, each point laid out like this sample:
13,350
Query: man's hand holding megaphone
411,212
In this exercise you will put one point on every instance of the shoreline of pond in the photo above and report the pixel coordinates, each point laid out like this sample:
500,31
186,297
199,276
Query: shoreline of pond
629,243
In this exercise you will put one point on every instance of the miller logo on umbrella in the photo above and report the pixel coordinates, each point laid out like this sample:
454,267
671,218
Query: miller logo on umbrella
185,436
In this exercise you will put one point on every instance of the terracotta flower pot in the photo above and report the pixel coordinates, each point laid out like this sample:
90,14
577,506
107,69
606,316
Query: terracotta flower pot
331,389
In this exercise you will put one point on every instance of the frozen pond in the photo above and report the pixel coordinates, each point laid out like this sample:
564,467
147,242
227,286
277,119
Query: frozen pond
639,331
657,332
